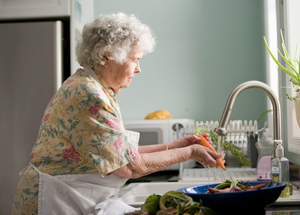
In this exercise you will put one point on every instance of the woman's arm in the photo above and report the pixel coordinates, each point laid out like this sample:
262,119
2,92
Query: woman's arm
153,148
149,163
182,142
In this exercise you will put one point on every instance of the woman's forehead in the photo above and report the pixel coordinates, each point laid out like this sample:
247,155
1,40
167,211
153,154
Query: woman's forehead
136,52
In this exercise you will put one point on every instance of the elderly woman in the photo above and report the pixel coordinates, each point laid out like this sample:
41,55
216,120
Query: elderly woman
83,154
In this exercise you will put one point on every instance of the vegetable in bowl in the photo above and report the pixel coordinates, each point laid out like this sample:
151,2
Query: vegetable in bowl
238,202
236,186
196,200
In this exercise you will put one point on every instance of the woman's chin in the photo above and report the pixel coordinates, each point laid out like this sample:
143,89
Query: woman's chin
126,85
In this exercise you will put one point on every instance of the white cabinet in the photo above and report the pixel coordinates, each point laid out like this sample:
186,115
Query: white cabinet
20,9
79,12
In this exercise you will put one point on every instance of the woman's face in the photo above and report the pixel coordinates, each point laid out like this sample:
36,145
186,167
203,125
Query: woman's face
118,75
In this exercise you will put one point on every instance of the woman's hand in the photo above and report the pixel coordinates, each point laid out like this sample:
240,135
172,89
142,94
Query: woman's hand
183,149
205,156
206,137
187,141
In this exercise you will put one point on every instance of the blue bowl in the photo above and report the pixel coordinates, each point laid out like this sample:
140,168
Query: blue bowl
243,202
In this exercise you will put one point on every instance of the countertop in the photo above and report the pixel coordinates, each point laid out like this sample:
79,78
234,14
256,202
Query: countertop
283,206
283,210
134,194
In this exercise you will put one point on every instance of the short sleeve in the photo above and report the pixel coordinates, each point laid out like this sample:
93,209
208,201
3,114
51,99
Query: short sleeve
100,135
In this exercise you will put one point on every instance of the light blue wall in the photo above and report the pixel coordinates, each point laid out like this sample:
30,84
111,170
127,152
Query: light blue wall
205,49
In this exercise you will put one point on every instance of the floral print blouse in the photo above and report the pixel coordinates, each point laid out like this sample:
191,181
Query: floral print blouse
81,133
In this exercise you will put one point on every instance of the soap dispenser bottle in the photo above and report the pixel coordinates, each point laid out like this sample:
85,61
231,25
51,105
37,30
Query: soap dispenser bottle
265,148
280,168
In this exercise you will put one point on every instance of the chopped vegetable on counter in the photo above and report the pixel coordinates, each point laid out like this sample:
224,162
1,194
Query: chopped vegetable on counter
172,203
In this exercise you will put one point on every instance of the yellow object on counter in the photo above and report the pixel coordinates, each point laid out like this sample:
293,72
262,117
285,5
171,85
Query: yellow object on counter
287,191
160,114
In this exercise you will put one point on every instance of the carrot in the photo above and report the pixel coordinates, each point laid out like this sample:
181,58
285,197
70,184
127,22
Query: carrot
257,187
205,143
214,190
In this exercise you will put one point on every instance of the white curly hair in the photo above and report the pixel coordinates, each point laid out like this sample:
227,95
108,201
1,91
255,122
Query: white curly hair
113,36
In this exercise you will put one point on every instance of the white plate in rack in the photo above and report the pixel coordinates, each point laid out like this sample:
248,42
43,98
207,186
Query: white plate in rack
217,175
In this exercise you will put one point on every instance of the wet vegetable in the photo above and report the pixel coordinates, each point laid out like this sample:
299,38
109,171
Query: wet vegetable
205,143
228,147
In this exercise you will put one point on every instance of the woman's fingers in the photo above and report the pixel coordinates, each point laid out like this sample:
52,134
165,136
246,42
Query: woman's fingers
185,141
207,157
195,138
205,136
191,139
200,153
216,155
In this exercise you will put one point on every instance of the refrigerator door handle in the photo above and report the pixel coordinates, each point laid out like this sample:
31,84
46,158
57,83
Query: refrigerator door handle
58,46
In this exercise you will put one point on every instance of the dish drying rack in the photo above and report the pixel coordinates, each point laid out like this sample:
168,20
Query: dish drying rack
243,134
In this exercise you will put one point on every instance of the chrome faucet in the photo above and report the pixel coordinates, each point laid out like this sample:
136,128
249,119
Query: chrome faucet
230,102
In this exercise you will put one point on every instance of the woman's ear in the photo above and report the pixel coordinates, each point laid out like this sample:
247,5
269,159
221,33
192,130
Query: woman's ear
105,60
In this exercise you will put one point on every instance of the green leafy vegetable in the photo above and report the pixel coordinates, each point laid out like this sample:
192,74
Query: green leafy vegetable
229,184
175,198
151,204
269,183
223,185
175,202
234,183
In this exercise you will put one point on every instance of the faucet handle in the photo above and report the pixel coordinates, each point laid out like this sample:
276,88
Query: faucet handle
220,131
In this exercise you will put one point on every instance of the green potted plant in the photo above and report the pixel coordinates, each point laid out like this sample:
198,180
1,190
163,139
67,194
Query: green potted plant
293,70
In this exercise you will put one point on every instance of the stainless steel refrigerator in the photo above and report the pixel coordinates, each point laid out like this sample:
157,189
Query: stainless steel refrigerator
32,62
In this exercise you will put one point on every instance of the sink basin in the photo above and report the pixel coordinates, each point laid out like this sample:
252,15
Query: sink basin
135,194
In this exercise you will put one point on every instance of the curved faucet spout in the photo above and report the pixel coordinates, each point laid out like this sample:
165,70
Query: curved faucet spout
231,100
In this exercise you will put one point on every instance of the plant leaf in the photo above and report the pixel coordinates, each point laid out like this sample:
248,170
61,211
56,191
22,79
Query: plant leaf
151,204
290,64
262,115
287,60
276,61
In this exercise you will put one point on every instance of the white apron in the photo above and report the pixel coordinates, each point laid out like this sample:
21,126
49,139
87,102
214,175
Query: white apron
75,194
78,194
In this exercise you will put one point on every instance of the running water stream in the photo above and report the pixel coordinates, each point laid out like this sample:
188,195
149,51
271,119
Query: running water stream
214,172
218,170
219,143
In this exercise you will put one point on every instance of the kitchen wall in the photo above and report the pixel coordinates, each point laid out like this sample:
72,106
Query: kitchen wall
204,50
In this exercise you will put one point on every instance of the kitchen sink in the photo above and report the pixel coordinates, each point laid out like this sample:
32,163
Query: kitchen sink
135,194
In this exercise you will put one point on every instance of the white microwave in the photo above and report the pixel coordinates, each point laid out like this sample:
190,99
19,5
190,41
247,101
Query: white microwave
162,131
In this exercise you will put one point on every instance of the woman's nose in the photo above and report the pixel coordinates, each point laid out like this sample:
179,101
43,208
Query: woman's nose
138,68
